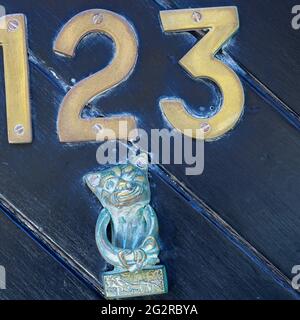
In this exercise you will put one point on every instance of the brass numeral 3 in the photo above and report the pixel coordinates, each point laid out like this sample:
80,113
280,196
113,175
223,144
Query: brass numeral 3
200,62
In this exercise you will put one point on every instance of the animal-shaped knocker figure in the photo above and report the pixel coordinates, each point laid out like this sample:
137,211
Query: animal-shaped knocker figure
133,250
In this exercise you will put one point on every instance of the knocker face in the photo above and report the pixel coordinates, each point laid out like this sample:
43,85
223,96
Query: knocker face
122,186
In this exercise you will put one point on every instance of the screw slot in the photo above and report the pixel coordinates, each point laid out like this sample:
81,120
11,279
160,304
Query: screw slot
98,18
205,127
19,129
97,128
197,16
12,25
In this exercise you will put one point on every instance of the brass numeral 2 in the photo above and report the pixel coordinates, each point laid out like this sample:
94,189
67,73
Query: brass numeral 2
71,128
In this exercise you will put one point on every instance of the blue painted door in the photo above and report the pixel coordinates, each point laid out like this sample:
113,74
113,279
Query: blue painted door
230,233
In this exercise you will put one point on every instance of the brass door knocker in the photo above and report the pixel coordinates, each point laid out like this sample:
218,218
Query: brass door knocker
124,193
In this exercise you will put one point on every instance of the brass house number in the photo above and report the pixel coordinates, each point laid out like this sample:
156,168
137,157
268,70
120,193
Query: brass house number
199,62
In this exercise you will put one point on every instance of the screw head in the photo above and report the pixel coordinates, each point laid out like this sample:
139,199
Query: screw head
98,18
97,128
94,180
19,129
12,25
197,16
141,163
205,127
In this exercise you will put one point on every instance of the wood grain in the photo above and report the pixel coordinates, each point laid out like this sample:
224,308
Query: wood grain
31,273
250,178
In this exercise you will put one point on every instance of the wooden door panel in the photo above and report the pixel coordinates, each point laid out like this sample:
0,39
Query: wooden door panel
31,273
262,140
250,177
62,213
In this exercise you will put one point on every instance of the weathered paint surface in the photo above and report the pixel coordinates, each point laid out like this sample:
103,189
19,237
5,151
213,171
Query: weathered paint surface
231,233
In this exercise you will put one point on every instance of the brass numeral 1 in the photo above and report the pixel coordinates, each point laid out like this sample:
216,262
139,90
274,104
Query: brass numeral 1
200,62
14,43
71,127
